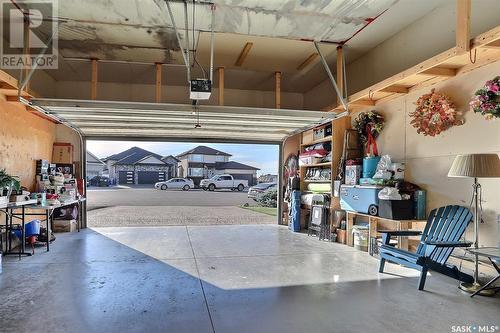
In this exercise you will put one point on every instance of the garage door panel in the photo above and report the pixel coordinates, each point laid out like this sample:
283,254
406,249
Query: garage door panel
150,177
100,119
126,177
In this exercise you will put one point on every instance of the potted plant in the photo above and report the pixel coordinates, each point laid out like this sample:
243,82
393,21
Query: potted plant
7,185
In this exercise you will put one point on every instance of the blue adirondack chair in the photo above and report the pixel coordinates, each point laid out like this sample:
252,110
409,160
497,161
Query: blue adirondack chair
443,230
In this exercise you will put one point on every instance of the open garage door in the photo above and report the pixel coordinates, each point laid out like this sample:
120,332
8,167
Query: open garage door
116,120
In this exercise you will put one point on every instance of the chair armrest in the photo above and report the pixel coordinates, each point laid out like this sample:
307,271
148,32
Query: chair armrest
448,244
401,232
431,246
387,234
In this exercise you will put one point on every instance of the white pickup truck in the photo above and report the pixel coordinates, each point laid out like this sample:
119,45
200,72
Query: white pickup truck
223,181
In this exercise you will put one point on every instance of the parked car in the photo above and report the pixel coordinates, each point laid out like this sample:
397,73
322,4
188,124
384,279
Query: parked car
175,183
254,191
223,182
99,181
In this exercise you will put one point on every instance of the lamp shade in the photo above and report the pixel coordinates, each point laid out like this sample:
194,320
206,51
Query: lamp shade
475,166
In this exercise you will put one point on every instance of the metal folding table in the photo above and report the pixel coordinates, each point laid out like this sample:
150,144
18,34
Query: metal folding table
10,214
493,255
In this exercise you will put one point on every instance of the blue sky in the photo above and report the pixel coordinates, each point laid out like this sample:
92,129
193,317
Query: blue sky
264,157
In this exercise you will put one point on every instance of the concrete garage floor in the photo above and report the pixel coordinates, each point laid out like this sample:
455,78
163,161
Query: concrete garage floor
125,207
222,279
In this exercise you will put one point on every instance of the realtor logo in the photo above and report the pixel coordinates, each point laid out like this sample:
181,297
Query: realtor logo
28,34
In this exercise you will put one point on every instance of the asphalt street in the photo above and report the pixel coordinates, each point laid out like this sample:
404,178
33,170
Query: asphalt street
116,196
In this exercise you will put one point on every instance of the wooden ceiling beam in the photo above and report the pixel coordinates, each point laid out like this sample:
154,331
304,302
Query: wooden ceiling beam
493,45
395,89
93,80
462,28
439,71
363,102
243,54
277,90
220,72
308,61
158,68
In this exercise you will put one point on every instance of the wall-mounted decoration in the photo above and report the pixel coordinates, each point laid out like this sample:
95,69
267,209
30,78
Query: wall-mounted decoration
369,125
434,114
487,99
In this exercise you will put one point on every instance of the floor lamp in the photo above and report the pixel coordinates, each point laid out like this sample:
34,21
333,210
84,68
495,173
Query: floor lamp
475,166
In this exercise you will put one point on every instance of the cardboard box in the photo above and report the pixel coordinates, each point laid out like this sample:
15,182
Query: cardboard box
352,174
64,226
62,152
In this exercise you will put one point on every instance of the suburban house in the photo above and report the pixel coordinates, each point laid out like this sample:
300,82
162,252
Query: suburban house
268,178
205,162
95,166
139,166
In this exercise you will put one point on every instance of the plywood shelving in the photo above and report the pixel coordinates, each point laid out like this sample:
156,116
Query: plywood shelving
337,141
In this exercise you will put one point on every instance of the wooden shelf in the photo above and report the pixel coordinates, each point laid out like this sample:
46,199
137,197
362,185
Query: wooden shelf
325,139
317,181
317,165
438,68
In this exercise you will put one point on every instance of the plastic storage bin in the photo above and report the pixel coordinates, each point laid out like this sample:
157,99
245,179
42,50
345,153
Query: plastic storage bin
370,166
360,237
396,209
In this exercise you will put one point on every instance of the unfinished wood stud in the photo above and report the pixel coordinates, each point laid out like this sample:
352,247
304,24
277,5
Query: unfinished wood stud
277,90
158,82
220,72
93,82
462,28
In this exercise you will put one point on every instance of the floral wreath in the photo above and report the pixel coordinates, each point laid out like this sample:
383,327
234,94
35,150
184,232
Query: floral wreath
487,99
369,125
434,114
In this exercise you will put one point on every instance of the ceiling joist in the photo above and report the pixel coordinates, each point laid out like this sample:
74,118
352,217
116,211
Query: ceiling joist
312,58
244,54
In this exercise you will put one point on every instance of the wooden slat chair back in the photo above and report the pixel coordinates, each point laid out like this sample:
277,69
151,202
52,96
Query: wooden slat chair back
445,224
442,233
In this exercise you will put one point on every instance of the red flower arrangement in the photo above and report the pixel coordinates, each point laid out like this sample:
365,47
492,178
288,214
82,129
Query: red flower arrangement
434,114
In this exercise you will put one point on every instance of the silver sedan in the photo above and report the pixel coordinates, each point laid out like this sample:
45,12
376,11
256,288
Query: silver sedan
175,183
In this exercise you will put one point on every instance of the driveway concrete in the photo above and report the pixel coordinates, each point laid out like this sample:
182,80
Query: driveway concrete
122,206
131,216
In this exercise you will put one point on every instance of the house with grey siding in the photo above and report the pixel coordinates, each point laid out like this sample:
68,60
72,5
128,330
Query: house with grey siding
95,166
139,166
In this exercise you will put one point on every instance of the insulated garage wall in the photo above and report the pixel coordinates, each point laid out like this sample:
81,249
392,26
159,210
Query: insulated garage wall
24,138
428,159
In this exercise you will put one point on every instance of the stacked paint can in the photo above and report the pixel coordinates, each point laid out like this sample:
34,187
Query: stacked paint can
419,205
